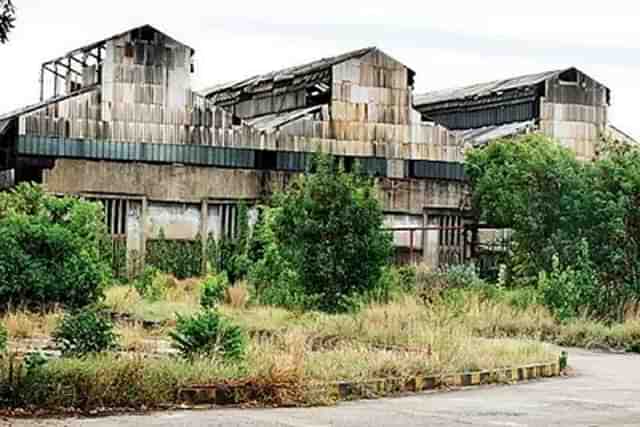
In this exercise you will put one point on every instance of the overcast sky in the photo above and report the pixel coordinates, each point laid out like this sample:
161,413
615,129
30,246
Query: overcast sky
449,43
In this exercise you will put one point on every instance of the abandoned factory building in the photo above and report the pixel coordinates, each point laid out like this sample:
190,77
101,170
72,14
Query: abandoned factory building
566,105
119,122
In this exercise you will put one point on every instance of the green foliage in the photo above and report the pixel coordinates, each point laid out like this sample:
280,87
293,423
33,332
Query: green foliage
53,249
212,290
209,334
181,258
567,290
143,281
152,283
34,361
273,277
232,254
7,18
3,339
325,236
559,207
84,332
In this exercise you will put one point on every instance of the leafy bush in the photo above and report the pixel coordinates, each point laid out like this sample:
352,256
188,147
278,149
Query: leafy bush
83,333
152,283
3,338
326,237
213,289
209,334
567,290
54,250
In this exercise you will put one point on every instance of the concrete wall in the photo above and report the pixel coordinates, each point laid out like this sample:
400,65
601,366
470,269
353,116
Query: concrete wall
577,127
187,201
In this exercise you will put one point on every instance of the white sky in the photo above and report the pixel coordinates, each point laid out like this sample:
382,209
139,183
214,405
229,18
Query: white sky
447,43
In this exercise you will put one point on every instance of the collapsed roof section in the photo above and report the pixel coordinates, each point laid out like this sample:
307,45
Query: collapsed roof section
82,67
291,88
479,90
481,136
512,100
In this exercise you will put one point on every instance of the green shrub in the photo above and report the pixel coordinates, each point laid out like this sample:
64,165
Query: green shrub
84,332
144,280
3,338
180,258
209,334
328,230
568,290
54,250
212,290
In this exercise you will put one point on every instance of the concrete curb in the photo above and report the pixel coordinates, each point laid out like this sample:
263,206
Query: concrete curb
224,394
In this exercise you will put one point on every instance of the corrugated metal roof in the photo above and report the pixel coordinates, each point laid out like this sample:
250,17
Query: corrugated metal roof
289,72
274,121
46,102
4,125
619,135
483,89
483,135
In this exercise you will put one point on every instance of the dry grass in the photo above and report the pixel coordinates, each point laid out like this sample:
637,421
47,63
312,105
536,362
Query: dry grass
121,298
237,296
137,339
181,297
23,324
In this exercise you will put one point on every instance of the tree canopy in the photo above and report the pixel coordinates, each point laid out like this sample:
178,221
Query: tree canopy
581,219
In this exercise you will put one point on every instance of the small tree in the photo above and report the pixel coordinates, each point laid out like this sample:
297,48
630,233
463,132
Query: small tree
53,250
329,228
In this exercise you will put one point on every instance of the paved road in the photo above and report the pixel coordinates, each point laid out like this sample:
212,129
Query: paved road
604,392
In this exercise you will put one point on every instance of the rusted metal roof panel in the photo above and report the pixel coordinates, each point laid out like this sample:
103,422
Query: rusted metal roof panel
484,135
33,107
288,73
484,89
274,121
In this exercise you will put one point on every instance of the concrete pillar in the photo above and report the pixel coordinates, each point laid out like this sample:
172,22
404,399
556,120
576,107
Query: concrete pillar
431,241
204,232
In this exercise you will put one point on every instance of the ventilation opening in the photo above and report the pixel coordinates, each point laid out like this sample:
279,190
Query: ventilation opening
319,93
266,160
569,77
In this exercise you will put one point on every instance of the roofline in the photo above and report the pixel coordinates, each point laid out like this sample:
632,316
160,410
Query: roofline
103,41
223,87
552,73
33,107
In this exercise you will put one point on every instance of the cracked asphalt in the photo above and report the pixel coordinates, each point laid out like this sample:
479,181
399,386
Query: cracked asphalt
605,391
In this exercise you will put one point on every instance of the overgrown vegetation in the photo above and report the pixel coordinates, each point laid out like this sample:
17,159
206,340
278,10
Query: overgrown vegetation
85,332
575,224
209,334
53,249
3,338
323,243
213,288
